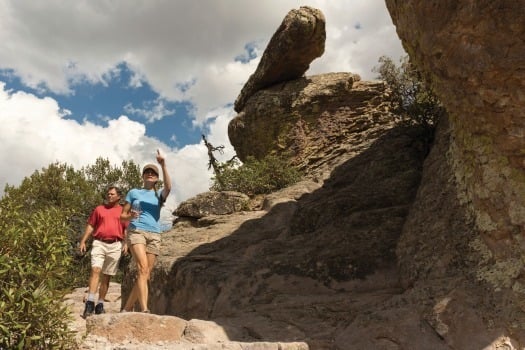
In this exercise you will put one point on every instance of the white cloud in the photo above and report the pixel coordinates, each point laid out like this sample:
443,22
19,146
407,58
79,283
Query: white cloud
185,50
34,134
151,111
171,43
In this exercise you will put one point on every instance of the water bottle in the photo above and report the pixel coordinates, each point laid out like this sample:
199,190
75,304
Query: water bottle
136,209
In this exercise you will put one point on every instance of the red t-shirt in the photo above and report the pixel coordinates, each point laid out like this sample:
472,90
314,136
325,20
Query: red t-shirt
107,224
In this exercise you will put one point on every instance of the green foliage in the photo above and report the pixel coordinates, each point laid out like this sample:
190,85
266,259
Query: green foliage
255,176
414,98
42,220
102,174
34,256
75,193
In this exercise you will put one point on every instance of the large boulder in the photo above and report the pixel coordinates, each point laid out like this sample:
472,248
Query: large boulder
297,42
212,203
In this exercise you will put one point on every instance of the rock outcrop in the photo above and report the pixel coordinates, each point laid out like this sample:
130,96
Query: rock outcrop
373,250
212,203
299,39
308,266
474,54
316,121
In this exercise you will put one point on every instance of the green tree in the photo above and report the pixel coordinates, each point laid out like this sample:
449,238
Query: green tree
42,220
102,174
75,193
412,94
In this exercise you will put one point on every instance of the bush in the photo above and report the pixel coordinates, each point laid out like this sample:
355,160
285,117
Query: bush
41,221
413,96
255,176
34,256
75,193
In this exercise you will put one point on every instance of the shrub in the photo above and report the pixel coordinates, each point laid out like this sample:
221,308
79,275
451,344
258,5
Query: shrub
34,256
412,95
75,193
41,221
255,176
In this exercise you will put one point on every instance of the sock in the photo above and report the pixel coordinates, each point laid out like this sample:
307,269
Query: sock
91,297
100,301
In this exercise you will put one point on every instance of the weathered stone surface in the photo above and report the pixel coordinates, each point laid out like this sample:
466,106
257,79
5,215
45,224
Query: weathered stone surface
474,52
438,236
440,254
308,265
314,120
140,327
352,260
137,331
212,203
75,302
297,42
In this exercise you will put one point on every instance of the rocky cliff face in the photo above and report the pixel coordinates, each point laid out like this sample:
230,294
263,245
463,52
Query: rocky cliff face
306,266
374,250
474,53
316,121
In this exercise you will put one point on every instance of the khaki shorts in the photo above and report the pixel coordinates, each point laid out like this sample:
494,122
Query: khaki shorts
150,240
106,256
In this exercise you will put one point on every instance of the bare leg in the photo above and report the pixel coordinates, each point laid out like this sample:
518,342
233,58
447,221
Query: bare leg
132,299
145,263
104,286
93,279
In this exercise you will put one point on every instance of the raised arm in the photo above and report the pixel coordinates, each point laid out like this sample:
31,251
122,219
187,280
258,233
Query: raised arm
165,176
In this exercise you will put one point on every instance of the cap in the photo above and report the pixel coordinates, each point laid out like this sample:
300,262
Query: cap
152,167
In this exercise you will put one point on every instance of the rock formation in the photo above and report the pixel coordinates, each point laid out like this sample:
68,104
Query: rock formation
373,250
298,40
474,54
312,120
212,203
320,252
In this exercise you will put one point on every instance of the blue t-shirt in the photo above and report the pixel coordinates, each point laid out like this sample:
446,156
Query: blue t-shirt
150,209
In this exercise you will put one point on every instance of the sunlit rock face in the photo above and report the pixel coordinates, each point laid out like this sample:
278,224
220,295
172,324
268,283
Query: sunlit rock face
374,249
474,53
297,42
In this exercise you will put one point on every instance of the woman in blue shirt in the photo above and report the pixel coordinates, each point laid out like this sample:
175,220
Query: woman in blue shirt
143,209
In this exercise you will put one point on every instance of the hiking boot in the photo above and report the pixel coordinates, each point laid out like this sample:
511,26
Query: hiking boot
88,310
99,309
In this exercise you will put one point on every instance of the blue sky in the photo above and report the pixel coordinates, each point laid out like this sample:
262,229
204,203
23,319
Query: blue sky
119,79
165,120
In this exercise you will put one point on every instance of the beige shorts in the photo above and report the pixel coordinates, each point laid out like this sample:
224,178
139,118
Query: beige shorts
150,240
106,256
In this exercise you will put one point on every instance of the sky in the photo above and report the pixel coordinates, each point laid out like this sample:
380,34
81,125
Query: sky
119,79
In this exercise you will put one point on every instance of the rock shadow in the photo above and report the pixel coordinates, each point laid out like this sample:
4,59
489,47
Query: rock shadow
309,265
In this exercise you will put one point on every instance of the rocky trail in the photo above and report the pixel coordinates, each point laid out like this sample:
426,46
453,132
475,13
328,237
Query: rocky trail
133,330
